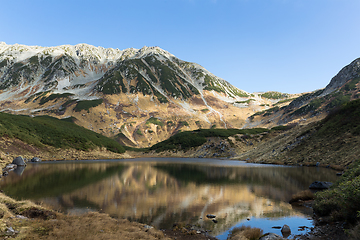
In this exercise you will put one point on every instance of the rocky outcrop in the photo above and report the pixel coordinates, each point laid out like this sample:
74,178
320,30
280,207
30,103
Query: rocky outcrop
19,161
35,159
347,73
18,165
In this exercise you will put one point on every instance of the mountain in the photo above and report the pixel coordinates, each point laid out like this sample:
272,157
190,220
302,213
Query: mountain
313,106
84,71
145,95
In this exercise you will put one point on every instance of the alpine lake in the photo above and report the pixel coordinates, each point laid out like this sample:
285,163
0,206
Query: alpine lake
164,191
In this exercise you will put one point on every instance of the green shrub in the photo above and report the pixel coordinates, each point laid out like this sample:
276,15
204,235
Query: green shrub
284,101
339,99
54,132
34,60
342,201
189,139
170,123
352,84
184,123
155,121
316,103
271,111
3,63
281,128
54,96
247,101
111,83
87,104
274,95
343,119
182,140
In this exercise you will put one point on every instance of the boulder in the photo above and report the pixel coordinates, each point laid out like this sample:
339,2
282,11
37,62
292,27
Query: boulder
35,159
10,167
320,185
286,231
19,161
270,236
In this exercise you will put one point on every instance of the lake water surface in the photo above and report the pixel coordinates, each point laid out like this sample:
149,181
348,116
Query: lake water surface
164,191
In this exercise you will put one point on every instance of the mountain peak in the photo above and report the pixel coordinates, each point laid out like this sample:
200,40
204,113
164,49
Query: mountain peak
149,51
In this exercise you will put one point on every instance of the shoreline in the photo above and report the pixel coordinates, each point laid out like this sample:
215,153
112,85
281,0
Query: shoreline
177,232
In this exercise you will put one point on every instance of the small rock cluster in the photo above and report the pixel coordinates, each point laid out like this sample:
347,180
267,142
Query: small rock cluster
18,165
221,149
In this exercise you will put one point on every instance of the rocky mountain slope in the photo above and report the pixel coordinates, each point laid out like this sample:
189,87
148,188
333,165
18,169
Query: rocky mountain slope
140,96
314,106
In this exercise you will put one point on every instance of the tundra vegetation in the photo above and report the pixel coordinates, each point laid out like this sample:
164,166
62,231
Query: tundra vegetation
45,130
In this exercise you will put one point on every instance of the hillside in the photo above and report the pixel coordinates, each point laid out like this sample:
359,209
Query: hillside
52,139
314,106
112,91
332,142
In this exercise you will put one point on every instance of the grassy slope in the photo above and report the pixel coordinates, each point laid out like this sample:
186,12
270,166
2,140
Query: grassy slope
189,139
342,201
44,130
334,140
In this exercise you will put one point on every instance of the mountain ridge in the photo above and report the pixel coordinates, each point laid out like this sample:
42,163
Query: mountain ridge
122,90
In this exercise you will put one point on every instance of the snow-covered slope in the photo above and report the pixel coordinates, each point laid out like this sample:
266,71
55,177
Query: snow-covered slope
85,70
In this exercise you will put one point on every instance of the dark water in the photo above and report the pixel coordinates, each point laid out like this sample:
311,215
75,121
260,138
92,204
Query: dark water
162,192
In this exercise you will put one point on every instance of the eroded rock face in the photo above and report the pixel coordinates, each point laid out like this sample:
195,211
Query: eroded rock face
348,72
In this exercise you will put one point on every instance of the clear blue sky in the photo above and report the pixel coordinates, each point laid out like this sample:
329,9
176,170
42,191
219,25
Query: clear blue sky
257,45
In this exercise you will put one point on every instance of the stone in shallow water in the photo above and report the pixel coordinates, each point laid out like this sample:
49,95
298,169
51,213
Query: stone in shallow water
286,231
270,236
35,159
19,161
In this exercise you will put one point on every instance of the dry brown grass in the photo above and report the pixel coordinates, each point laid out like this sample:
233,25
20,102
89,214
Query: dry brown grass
302,196
245,233
88,226
41,223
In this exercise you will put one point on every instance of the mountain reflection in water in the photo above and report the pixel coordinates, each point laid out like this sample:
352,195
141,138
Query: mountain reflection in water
161,194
